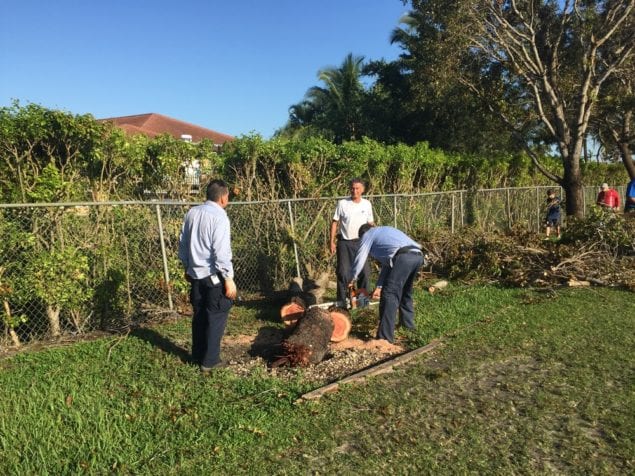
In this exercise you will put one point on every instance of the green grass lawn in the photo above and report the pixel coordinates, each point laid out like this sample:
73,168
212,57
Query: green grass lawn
524,383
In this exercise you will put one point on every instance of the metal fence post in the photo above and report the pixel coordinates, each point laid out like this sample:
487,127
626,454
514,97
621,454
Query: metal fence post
508,210
166,272
394,210
452,216
538,209
295,246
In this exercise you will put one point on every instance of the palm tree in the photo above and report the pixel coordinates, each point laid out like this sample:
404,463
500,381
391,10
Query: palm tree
337,106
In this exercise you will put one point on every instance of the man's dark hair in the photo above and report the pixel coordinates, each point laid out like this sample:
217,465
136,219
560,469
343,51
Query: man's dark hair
356,180
363,229
216,189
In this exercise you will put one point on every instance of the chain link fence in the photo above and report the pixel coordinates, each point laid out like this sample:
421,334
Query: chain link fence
74,268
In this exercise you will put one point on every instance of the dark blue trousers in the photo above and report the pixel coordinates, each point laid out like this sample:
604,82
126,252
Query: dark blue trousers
211,310
396,295
346,251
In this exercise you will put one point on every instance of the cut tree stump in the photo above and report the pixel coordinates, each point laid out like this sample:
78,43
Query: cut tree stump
303,293
293,311
309,340
341,323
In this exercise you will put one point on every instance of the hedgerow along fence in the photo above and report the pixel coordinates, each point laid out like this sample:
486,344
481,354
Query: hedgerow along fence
71,268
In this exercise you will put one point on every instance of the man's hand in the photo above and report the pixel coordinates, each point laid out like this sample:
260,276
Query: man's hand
230,288
188,278
333,247
376,293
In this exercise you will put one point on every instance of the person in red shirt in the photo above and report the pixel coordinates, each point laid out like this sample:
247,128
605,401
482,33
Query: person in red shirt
608,197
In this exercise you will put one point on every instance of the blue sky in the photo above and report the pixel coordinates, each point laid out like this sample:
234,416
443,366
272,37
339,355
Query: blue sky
232,66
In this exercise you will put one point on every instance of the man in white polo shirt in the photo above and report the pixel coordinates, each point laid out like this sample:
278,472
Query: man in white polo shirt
350,214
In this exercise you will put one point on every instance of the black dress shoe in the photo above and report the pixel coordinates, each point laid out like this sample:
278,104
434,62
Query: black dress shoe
218,365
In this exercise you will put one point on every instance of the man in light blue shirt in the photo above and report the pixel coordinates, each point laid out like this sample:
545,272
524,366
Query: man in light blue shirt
205,251
400,258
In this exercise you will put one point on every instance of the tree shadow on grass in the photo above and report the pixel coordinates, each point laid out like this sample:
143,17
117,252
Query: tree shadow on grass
161,342
266,310
267,343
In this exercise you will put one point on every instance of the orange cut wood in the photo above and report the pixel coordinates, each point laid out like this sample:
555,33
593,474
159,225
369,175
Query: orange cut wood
341,323
292,312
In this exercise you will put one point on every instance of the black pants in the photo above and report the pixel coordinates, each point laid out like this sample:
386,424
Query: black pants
211,310
346,250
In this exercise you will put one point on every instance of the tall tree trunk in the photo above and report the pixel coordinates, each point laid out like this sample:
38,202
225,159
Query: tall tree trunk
571,151
627,159
623,139
574,191
574,198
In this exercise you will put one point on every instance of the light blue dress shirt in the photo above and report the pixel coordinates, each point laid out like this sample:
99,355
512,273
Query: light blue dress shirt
382,243
205,242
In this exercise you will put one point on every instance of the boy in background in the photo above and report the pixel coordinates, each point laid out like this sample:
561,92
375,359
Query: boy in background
552,220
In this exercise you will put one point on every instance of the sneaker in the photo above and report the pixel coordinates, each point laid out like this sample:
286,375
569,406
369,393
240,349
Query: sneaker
219,365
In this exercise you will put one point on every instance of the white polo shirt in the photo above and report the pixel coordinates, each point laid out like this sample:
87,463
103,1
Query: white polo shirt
351,216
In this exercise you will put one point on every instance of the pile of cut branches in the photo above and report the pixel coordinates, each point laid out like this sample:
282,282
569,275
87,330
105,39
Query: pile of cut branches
598,250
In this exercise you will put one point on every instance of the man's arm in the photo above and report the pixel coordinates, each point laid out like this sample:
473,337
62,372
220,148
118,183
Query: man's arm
221,243
184,245
223,251
598,200
334,224
380,283
371,217
360,257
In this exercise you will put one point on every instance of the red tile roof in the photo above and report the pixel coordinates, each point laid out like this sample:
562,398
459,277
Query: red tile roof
154,124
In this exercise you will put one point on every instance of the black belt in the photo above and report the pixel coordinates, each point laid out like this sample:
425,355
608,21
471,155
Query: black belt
207,278
408,249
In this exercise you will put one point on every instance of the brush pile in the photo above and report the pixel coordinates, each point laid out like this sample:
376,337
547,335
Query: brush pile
596,250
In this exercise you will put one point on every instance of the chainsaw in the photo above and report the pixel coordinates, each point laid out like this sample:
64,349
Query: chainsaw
355,299
358,298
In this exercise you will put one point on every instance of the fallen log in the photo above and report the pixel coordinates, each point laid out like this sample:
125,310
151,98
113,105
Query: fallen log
574,283
309,340
341,323
437,286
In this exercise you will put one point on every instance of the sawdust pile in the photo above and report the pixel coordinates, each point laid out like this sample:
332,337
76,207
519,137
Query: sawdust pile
249,354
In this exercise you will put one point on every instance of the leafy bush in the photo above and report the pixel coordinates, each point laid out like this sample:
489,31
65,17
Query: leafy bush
606,228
